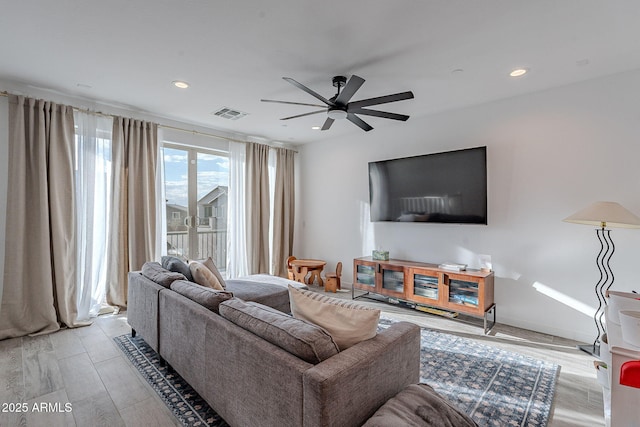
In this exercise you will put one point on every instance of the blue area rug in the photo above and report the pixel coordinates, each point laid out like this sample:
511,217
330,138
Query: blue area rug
495,387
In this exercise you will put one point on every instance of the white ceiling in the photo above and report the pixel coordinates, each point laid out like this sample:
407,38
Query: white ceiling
127,52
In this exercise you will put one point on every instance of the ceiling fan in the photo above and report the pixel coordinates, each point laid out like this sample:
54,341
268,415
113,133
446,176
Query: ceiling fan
338,106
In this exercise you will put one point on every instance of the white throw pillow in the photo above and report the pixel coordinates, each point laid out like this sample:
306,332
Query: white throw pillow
347,322
212,266
203,276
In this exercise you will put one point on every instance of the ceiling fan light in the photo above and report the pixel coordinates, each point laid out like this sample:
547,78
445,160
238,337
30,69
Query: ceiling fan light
180,84
337,114
518,72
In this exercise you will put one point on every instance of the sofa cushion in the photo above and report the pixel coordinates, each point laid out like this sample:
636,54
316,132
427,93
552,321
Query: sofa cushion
304,340
419,405
273,295
347,322
212,267
203,276
154,271
206,297
176,265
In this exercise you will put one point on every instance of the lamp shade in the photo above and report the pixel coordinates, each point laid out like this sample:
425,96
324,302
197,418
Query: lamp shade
605,214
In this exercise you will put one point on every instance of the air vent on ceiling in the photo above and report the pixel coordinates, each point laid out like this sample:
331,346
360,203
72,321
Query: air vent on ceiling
229,113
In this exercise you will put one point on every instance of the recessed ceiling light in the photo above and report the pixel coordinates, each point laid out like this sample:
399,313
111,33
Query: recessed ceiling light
315,127
180,84
518,72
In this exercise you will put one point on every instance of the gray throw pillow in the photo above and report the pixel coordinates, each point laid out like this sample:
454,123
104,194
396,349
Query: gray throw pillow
206,297
174,264
419,405
304,340
154,271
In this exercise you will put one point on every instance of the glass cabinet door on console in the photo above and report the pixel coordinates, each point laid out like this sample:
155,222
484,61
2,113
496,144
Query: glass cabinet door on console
468,293
365,277
392,280
423,286
463,292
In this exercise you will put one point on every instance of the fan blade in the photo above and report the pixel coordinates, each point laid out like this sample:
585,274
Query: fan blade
309,91
377,113
293,103
327,123
305,114
358,122
381,100
349,90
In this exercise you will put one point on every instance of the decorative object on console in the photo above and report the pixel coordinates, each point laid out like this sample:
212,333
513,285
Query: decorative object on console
603,214
485,263
453,266
380,255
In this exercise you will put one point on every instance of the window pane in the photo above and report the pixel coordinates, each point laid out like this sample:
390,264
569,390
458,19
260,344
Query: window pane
212,182
176,185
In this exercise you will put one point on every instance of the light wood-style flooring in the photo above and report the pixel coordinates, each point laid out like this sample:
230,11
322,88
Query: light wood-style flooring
84,368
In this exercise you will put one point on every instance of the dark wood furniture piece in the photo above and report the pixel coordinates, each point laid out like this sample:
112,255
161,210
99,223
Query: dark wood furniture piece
426,285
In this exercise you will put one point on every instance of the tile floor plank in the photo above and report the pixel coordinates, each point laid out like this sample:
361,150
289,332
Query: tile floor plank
121,382
41,373
66,343
97,411
80,377
98,345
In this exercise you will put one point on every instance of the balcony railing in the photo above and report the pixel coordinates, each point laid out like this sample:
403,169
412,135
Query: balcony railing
211,243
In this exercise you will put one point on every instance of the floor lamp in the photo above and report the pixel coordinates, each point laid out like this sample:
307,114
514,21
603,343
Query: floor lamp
603,215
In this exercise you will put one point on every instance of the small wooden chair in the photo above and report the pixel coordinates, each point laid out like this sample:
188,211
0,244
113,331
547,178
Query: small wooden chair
332,280
290,273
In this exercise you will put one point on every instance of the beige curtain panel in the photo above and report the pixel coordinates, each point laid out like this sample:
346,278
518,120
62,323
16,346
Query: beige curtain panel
40,261
133,218
283,210
257,208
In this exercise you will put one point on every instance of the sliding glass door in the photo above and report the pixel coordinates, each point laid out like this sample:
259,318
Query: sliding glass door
196,191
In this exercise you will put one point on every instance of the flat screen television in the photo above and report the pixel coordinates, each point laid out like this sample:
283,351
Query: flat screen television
449,187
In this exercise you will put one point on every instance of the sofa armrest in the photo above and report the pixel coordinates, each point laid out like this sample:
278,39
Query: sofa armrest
142,307
346,389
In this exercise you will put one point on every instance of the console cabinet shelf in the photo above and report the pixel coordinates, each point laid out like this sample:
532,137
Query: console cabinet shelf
469,292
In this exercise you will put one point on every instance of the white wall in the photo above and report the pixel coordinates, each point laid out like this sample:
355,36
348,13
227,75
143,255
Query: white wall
4,177
549,154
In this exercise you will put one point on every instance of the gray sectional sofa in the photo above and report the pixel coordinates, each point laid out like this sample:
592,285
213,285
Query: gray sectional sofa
249,380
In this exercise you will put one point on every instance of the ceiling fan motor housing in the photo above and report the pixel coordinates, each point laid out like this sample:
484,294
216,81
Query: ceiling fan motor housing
337,112
339,81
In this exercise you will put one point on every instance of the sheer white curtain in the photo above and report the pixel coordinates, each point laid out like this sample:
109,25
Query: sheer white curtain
93,193
273,158
161,209
237,265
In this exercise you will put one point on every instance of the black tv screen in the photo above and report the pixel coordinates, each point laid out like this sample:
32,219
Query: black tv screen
449,187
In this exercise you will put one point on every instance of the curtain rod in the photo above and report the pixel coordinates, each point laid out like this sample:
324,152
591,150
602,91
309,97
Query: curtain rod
192,131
